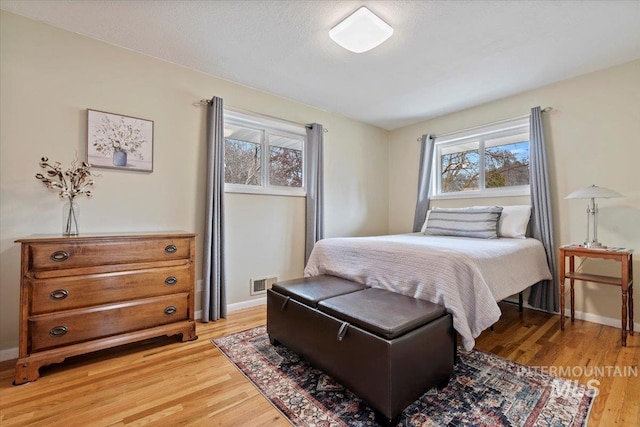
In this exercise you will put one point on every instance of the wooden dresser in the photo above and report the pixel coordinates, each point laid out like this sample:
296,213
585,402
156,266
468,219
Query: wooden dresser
87,293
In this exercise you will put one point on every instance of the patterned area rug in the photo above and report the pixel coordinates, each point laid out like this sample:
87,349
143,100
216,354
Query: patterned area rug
486,390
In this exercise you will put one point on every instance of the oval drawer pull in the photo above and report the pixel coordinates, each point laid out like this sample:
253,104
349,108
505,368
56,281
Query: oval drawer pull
170,310
59,256
171,280
170,249
58,331
59,294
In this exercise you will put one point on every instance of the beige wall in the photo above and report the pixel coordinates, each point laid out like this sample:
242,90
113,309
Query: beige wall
49,77
592,138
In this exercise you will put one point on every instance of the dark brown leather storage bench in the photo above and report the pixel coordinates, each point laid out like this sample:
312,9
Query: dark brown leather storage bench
387,348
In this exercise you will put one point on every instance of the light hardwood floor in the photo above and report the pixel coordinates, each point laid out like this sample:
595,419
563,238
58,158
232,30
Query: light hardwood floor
166,382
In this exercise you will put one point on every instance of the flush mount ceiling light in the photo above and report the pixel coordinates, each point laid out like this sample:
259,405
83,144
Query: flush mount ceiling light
361,31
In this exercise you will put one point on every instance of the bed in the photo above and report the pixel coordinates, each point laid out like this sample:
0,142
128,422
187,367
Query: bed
466,275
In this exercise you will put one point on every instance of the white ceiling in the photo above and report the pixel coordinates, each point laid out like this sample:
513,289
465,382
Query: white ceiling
444,56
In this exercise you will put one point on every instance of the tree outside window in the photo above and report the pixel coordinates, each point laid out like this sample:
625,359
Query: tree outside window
507,165
262,159
242,162
498,160
285,161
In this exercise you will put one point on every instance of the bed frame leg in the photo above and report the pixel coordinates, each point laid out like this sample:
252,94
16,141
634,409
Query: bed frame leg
520,302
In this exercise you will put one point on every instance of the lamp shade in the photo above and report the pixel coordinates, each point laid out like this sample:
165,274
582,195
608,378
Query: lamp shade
361,31
594,192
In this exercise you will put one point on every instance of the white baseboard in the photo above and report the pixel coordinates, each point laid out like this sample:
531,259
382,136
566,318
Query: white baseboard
608,321
8,354
246,304
238,306
594,318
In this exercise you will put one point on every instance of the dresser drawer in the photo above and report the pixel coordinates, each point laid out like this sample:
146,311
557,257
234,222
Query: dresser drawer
52,330
74,254
65,293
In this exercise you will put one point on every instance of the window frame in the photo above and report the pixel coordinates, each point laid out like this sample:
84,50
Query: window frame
267,126
479,134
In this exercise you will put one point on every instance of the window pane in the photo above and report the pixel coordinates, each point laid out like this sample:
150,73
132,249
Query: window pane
242,155
285,161
492,158
459,168
506,164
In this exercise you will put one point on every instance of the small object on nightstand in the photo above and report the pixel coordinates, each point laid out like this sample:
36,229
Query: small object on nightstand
625,281
594,192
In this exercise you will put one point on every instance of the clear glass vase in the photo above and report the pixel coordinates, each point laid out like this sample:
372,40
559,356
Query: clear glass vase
70,215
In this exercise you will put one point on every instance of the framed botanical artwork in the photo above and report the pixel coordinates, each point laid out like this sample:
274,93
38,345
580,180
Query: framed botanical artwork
115,141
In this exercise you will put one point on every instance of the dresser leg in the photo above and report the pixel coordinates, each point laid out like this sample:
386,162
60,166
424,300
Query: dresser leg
189,333
25,373
624,318
28,370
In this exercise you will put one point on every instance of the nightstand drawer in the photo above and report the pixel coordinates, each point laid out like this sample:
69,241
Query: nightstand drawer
65,293
74,254
52,330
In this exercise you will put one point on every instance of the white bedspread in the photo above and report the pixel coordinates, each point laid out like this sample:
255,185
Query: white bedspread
465,275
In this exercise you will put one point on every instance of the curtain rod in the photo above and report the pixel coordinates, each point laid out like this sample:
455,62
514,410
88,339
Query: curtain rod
544,110
307,125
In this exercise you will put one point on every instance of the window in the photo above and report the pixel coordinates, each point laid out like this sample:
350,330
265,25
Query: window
263,155
489,161
285,161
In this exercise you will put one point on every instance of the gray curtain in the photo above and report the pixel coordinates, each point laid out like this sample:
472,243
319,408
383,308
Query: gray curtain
214,301
315,188
544,295
424,181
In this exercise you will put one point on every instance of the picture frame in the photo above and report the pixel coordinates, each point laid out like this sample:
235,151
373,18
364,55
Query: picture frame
116,141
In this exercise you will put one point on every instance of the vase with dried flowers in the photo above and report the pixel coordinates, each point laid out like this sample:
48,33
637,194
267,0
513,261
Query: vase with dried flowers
69,184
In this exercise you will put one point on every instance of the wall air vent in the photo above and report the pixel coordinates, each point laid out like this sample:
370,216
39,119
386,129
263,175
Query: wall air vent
260,285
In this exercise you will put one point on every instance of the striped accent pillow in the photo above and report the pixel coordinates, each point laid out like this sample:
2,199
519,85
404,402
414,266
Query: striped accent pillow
479,222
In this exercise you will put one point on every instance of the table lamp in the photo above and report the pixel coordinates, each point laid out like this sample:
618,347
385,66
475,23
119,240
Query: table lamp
593,192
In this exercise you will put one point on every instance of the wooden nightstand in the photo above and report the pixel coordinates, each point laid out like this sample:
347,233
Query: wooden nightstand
625,281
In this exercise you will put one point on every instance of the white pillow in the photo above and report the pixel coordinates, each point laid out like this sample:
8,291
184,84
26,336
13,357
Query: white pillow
513,221
424,226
